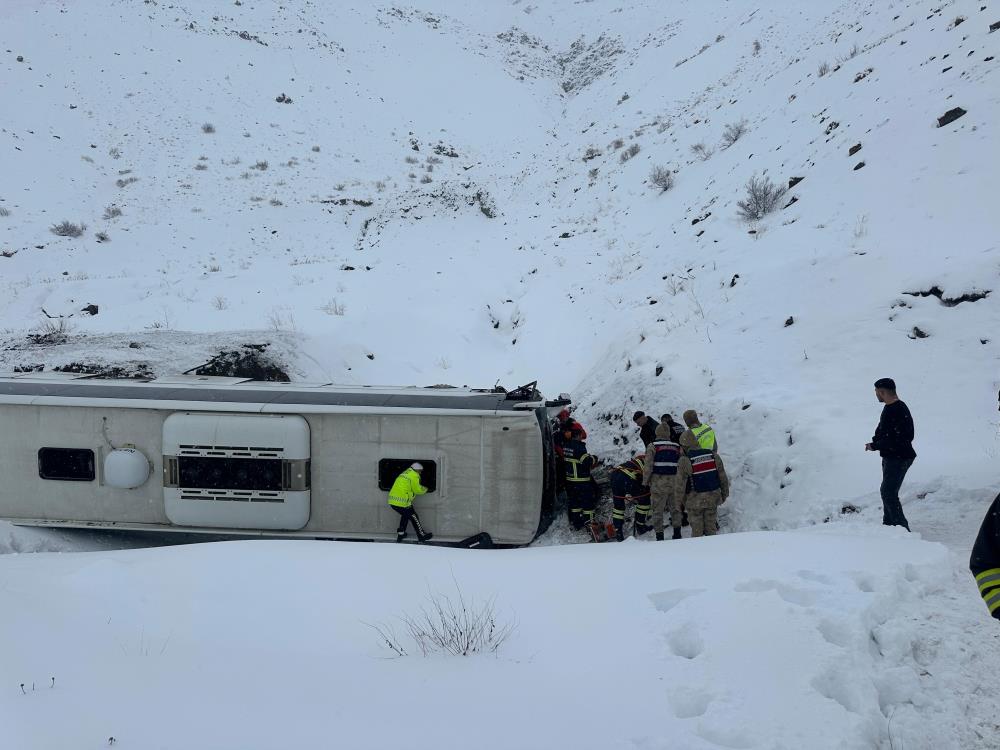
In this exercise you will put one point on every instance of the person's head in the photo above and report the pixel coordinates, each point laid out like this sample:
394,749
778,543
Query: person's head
576,431
663,431
417,466
885,390
564,415
691,418
667,418
639,418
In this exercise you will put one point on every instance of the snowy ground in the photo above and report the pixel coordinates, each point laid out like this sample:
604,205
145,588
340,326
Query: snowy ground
843,635
446,200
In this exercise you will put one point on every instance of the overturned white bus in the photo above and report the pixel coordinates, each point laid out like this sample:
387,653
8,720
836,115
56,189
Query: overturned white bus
232,456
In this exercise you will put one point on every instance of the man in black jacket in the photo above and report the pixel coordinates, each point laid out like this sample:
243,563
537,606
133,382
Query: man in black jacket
985,560
647,427
894,441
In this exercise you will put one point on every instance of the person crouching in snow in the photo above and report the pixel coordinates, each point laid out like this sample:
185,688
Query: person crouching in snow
627,486
406,487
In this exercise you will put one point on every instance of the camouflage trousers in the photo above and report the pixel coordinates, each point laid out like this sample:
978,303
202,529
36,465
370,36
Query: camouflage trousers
702,510
663,491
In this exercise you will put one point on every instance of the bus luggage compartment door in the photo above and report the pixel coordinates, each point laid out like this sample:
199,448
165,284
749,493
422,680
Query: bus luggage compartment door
236,471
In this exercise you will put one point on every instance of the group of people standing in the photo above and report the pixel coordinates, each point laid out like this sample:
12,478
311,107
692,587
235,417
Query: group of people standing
680,473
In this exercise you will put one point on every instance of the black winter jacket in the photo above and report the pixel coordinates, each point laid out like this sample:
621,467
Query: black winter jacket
894,434
985,560
647,433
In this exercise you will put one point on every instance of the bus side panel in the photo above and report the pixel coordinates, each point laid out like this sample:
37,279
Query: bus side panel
24,494
514,475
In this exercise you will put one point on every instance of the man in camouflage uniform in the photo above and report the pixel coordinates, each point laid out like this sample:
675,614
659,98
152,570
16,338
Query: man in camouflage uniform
660,474
709,488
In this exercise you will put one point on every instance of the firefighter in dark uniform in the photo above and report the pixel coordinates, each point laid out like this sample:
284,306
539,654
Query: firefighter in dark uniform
579,487
627,486
985,560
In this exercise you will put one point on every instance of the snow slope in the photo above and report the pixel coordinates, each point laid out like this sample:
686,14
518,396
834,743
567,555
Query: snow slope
422,286
796,639
517,260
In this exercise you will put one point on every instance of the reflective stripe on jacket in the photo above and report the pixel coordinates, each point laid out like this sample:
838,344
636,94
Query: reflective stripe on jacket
985,559
406,487
705,436
704,471
578,461
666,453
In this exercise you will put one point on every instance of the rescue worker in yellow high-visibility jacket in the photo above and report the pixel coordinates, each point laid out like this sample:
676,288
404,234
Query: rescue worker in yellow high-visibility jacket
697,435
406,487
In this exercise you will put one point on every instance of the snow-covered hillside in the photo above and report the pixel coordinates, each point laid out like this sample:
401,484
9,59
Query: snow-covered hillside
454,192
444,195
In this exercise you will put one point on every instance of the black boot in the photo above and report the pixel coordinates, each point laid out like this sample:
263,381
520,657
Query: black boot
425,537
684,519
677,534
659,536
400,536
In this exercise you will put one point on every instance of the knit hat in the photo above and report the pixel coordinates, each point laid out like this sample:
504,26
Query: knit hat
417,466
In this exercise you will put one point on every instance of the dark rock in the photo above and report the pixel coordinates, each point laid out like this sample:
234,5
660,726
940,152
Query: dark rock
249,361
918,334
90,309
659,370
950,116
936,291
795,199
133,371
859,165
370,356
20,58
848,508
854,149
565,236
732,282
790,321
793,181
993,27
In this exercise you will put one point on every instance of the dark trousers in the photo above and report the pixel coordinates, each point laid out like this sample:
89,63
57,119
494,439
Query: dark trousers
582,502
408,516
893,471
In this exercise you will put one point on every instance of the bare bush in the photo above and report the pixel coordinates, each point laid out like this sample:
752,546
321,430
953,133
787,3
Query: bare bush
411,160
592,174
201,166
450,625
102,237
733,132
275,202
52,331
208,128
662,178
630,152
315,149
112,212
702,151
616,144
380,185
762,197
756,46
426,179
262,165
68,229
333,308
4,211
220,303
126,181
591,153
824,68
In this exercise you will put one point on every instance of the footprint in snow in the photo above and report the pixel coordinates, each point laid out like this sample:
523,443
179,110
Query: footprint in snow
685,642
791,594
665,601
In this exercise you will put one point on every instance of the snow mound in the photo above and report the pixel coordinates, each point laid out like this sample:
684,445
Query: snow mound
796,639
